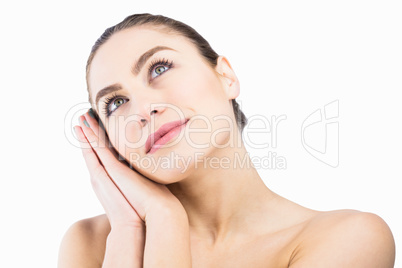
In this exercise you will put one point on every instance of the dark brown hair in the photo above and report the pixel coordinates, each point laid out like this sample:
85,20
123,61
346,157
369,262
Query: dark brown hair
167,24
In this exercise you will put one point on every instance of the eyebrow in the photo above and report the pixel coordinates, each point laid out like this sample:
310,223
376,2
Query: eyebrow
136,69
107,90
144,58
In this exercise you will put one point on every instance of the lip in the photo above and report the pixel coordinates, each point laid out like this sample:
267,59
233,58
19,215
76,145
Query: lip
162,131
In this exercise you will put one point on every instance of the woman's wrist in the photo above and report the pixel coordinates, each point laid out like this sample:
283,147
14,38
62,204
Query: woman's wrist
168,209
167,238
125,247
125,231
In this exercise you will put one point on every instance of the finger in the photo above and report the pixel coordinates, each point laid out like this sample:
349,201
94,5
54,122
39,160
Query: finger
100,132
137,188
112,200
99,146
96,124
91,159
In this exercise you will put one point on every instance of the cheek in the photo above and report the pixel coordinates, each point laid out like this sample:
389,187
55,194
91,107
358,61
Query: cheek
199,90
128,138
213,117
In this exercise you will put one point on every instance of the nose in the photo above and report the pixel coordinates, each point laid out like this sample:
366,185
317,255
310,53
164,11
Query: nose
150,111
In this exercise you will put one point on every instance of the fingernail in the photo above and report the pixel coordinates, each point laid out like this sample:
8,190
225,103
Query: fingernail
86,123
91,113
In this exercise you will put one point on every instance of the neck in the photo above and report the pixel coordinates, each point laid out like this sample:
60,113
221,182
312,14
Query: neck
225,199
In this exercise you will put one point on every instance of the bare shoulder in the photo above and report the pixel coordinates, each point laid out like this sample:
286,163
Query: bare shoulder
345,238
84,243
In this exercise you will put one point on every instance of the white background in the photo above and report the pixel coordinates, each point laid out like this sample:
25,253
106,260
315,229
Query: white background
291,57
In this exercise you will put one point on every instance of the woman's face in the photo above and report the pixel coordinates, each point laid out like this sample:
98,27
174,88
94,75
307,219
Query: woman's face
153,70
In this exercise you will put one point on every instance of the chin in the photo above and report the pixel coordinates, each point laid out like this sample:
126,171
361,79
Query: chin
167,176
175,162
166,170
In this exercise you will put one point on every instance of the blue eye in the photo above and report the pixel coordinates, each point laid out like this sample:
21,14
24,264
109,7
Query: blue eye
158,71
158,67
116,103
112,103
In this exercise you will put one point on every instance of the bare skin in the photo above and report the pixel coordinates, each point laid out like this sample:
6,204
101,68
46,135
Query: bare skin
226,217
271,248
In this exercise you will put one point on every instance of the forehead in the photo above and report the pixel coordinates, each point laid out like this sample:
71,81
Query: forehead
116,56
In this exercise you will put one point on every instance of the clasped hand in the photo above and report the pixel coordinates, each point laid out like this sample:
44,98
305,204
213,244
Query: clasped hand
127,196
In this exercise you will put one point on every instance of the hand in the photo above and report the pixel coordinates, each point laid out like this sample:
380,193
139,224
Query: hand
127,196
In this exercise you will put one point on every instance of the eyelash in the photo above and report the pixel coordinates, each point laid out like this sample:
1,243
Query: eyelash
157,62
152,66
108,101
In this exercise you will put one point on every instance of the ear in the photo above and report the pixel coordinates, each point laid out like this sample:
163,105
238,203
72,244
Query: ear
229,78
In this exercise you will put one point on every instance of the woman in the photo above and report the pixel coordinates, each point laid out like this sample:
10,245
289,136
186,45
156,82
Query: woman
171,184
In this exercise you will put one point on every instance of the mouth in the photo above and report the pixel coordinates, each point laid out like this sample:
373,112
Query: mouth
164,134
